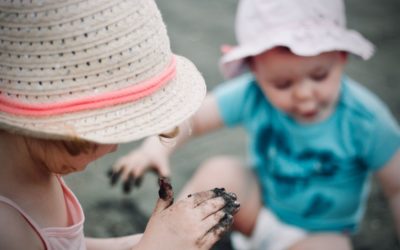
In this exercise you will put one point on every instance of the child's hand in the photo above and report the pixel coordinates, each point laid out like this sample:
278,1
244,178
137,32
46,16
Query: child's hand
196,222
131,167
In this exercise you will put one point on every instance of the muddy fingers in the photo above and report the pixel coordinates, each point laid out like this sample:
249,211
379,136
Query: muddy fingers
216,232
128,183
114,176
165,192
200,197
138,181
196,222
131,182
231,203
224,224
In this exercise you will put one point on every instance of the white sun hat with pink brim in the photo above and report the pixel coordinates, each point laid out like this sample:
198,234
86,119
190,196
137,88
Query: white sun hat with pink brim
97,70
306,27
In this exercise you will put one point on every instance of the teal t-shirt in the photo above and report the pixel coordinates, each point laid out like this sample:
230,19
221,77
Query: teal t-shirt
315,176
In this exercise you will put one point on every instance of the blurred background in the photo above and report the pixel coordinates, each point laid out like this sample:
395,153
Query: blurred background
197,29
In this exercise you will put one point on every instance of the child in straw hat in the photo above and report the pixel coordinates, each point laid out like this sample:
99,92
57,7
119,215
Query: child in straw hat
315,135
76,79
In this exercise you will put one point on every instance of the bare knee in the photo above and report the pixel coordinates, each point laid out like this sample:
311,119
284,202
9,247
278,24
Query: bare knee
328,241
227,167
216,172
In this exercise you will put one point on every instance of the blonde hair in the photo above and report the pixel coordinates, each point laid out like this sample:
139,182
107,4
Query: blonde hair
49,152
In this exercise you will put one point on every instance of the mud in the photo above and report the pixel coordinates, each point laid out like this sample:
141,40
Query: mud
232,205
165,192
114,176
128,184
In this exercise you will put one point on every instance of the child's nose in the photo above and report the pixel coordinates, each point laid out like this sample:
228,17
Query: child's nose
303,91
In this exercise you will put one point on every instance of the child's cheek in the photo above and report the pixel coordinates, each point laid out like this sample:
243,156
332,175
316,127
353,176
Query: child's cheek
282,101
330,93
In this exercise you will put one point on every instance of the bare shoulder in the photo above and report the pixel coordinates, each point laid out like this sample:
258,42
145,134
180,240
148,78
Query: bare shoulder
15,231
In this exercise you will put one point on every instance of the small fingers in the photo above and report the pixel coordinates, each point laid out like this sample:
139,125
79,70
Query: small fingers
224,222
118,170
129,170
128,183
232,205
130,174
165,192
162,168
114,175
212,220
200,197
138,181
211,206
166,195
139,169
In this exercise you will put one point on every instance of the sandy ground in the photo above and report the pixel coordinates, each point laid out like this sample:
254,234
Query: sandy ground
197,29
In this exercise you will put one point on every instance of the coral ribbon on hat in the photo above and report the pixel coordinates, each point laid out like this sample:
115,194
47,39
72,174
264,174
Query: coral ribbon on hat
129,94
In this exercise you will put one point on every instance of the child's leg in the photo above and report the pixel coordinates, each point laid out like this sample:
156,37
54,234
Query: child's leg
327,241
231,174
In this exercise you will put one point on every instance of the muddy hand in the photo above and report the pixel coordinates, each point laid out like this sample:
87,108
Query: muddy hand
222,218
131,167
231,207
194,223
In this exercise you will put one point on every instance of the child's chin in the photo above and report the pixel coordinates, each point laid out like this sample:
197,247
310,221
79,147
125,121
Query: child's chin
306,120
309,118
313,118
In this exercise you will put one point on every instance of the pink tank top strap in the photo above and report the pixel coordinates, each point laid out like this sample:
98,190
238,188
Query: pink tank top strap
74,208
31,222
59,238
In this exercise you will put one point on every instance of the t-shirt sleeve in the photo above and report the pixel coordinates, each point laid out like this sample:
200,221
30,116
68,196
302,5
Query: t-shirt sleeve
384,139
232,98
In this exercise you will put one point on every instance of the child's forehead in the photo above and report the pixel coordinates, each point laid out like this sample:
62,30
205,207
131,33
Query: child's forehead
281,62
285,55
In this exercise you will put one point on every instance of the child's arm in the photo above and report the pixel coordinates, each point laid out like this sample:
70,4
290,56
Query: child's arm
120,243
154,153
195,222
15,231
389,178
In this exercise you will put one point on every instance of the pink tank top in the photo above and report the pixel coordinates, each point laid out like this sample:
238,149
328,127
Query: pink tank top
59,238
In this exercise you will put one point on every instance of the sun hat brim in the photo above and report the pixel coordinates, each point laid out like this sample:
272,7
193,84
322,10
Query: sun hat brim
122,123
302,42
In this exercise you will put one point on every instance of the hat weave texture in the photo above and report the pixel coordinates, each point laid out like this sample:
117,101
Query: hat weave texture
108,62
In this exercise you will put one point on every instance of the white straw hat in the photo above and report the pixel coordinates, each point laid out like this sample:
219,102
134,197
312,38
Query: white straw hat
306,27
98,70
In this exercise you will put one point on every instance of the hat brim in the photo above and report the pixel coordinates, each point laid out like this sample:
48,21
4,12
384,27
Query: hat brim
122,123
309,42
